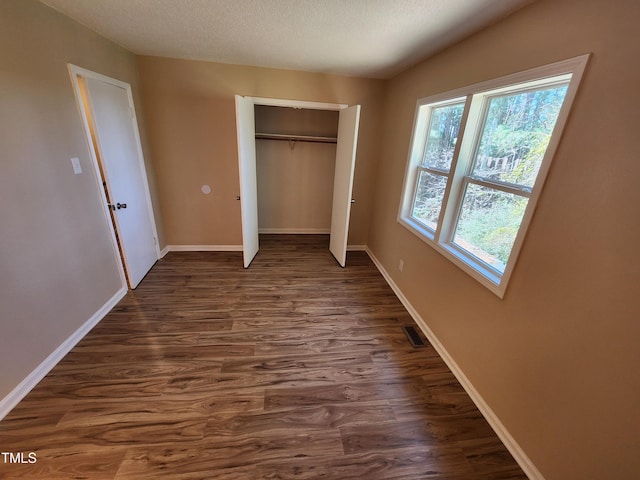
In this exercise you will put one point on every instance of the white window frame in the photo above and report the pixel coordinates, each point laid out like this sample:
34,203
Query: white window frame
476,100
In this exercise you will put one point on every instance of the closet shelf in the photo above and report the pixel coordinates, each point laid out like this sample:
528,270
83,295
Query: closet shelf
296,138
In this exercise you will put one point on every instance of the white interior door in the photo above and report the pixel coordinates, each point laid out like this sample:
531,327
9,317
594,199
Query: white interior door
343,181
246,128
118,145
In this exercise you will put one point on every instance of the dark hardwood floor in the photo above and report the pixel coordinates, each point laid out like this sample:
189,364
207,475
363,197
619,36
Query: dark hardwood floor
292,369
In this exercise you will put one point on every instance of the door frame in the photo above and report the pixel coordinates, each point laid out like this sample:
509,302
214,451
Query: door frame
281,102
75,72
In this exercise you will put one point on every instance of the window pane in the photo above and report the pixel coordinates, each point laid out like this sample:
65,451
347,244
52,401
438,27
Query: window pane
515,135
428,201
488,224
444,126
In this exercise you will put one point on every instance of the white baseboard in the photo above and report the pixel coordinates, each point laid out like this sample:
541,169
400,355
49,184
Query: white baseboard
296,231
202,248
232,248
17,394
516,451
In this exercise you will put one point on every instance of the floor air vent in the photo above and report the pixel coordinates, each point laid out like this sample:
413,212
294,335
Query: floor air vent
413,336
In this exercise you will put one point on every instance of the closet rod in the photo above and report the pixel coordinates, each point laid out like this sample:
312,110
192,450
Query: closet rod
296,138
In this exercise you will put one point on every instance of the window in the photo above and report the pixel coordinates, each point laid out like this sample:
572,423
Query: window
477,162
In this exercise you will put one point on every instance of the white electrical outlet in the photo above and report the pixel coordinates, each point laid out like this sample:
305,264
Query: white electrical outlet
401,265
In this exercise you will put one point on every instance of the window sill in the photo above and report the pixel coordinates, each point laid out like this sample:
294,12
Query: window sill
480,272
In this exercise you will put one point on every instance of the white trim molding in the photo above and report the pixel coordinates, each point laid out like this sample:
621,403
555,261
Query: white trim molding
238,248
202,248
295,231
280,102
509,442
17,394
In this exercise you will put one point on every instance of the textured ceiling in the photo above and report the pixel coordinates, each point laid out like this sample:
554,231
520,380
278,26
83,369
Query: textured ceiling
370,38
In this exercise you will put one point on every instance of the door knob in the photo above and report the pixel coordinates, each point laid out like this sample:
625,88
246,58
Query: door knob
121,205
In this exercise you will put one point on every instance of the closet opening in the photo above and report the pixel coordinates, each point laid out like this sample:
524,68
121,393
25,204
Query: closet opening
295,166
296,163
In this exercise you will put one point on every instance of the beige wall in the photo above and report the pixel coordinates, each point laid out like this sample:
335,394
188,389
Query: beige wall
57,262
190,112
295,186
557,359
295,180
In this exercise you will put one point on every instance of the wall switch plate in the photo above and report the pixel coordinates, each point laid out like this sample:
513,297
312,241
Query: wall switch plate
77,169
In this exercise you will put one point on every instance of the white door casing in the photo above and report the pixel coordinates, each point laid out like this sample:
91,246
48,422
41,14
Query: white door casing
246,132
112,116
343,181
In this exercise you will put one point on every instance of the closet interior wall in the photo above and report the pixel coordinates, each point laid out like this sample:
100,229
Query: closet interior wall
295,178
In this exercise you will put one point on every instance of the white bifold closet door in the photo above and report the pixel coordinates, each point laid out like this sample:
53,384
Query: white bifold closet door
343,181
120,157
246,131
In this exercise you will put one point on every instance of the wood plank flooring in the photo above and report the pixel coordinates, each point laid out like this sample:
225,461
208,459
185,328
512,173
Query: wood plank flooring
292,369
